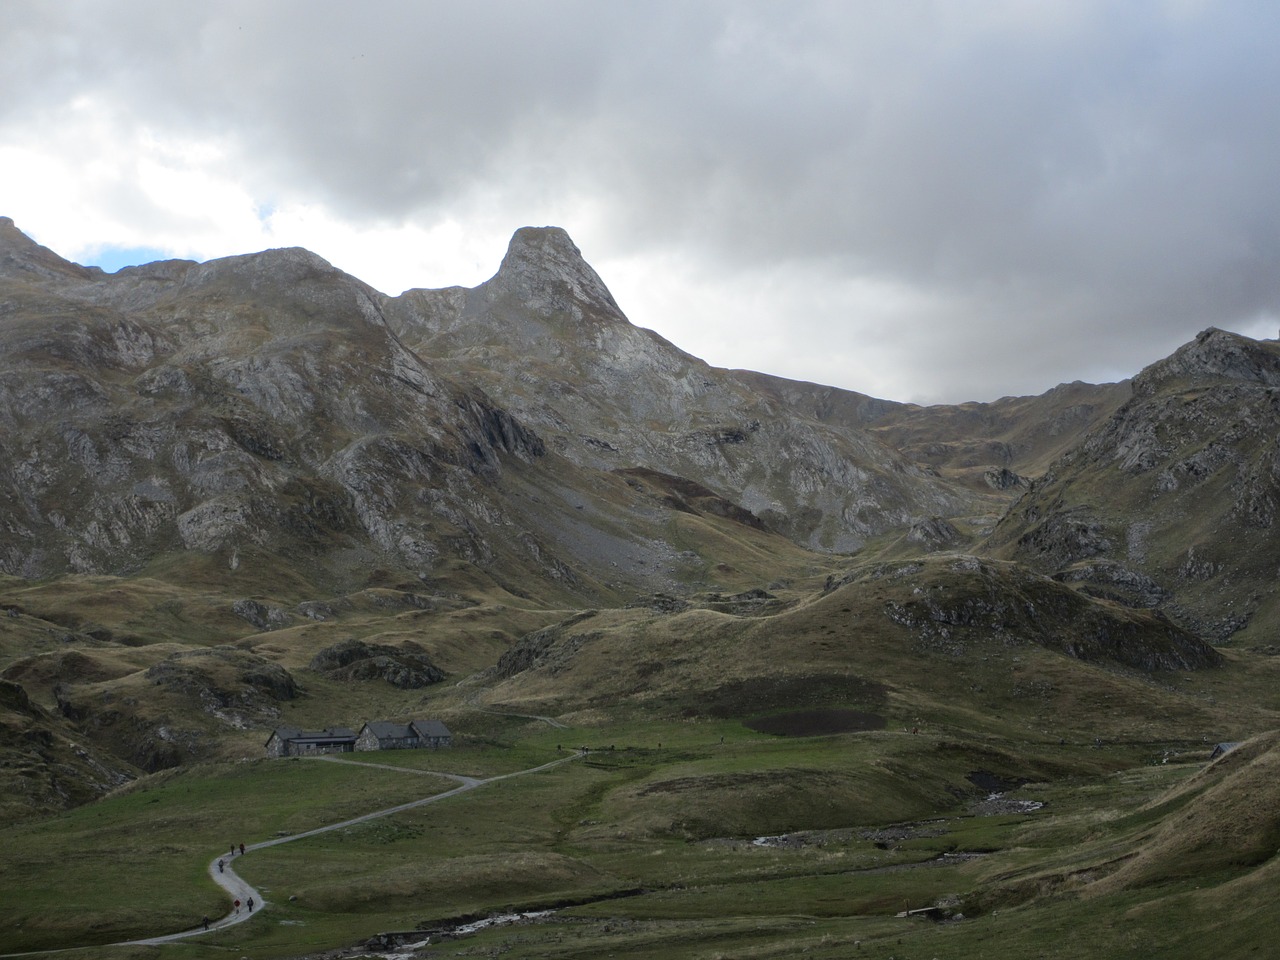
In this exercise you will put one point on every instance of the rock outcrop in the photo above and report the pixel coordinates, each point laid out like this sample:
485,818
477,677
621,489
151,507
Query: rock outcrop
255,406
548,341
1173,499
267,412
406,666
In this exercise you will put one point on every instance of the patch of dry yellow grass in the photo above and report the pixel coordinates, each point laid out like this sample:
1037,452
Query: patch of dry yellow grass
1232,820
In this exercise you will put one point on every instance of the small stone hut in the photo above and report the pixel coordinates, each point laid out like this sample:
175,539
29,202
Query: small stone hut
416,734
293,742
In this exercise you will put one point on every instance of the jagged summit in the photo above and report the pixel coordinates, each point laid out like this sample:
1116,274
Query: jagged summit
544,270
1174,498
545,339
12,239
236,383
20,257
1215,353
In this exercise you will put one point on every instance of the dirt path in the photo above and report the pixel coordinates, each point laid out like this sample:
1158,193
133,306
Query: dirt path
472,700
239,889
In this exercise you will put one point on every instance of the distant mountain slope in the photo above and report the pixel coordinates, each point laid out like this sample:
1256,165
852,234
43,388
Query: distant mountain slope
269,407
270,420
545,338
1173,500
986,446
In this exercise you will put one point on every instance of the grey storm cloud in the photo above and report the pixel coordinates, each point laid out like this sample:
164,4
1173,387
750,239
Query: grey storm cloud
1072,188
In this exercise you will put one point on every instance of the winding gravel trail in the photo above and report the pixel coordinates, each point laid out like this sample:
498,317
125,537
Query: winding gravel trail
239,889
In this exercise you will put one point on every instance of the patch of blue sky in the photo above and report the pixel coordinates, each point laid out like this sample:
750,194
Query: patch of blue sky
112,259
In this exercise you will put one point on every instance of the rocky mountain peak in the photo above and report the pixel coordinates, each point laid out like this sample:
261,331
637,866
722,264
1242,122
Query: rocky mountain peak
278,266
289,272
544,271
1216,354
22,257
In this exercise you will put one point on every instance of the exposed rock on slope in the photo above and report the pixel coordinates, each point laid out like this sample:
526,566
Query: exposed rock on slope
256,406
945,633
176,710
688,496
545,337
406,666
957,601
985,446
225,679
44,767
1174,498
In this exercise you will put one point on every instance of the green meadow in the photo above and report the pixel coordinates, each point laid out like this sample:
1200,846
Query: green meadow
647,847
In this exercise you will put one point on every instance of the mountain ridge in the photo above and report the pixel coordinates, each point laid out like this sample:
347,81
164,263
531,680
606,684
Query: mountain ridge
774,620
263,451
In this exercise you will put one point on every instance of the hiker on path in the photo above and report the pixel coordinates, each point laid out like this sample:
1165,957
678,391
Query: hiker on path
251,904
219,866
233,851
242,849
206,921
237,906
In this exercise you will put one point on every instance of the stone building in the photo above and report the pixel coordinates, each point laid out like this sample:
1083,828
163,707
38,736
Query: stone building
293,742
384,735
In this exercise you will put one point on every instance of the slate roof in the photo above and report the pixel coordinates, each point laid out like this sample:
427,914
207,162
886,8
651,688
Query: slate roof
328,735
431,728
386,730
284,733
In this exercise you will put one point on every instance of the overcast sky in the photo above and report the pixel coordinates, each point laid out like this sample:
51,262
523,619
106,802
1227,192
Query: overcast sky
927,201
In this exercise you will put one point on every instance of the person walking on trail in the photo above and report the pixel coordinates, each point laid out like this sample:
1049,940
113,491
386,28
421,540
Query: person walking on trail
205,921
242,849
220,865
233,850
251,904
237,906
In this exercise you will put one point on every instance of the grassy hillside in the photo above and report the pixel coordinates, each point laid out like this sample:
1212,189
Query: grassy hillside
816,844
191,662
945,643
1172,501
945,732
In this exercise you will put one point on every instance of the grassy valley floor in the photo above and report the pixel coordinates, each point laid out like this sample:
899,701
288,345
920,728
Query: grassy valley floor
675,840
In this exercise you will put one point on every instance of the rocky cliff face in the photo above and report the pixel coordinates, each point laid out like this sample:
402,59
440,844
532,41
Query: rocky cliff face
269,416
546,338
256,405
1172,501
269,413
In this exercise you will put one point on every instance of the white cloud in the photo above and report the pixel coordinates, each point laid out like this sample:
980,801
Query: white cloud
389,257
910,199
82,176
